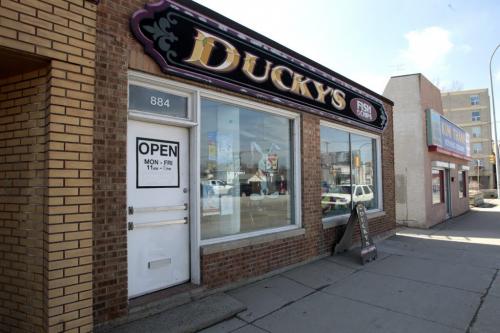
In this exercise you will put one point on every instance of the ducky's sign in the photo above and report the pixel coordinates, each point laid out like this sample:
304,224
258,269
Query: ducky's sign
188,42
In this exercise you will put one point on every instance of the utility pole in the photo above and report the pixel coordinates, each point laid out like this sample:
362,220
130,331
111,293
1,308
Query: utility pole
495,125
478,186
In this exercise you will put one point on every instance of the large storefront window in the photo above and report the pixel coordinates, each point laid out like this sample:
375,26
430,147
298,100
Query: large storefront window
246,170
348,171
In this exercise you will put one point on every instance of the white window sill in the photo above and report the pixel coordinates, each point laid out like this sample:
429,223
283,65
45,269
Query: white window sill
332,222
239,243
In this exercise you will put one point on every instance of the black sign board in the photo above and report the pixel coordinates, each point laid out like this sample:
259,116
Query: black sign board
188,43
156,101
368,248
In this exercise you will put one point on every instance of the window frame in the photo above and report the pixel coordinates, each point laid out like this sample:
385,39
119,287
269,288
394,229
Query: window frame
474,99
160,84
475,145
476,131
342,219
477,117
296,142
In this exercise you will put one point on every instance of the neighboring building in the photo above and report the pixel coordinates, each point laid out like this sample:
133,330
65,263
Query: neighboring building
470,109
169,146
430,155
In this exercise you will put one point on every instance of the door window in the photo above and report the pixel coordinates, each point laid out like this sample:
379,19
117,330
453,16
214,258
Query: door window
437,186
462,184
157,101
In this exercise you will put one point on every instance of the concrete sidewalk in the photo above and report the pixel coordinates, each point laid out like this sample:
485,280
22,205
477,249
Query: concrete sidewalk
440,280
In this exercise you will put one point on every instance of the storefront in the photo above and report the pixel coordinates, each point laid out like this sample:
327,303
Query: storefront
241,156
431,155
153,149
449,147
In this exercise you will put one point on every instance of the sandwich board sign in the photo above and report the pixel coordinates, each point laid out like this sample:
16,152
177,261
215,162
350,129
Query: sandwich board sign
368,248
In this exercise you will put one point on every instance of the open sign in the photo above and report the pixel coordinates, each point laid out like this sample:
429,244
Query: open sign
152,148
157,163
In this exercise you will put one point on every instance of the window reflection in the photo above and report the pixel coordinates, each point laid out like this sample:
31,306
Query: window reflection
335,172
246,170
348,171
363,170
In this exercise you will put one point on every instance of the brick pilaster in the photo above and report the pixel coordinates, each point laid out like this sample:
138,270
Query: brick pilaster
56,230
69,199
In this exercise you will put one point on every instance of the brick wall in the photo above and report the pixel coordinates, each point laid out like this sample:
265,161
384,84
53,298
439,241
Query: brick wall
62,33
23,106
69,198
388,178
110,124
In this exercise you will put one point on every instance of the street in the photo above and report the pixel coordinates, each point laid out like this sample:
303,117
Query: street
443,279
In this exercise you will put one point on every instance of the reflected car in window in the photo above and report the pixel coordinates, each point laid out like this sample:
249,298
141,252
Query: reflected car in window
340,195
217,187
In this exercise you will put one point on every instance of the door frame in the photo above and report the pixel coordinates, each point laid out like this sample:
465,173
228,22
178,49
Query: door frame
191,123
447,181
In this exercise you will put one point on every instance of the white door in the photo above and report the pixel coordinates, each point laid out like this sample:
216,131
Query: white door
158,214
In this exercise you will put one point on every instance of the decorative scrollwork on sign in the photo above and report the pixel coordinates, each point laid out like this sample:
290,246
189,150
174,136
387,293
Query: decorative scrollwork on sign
161,33
189,41
383,117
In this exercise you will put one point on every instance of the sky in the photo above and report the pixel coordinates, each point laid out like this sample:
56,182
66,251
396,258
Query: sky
368,41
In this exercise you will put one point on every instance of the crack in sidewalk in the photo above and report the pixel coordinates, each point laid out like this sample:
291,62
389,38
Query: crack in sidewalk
483,297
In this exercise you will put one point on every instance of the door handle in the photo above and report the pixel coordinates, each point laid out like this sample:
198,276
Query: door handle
133,210
132,226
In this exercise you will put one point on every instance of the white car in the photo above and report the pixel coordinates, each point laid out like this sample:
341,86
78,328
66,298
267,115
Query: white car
217,187
341,195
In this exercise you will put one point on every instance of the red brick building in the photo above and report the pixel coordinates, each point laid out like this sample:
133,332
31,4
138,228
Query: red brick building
168,148
219,121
